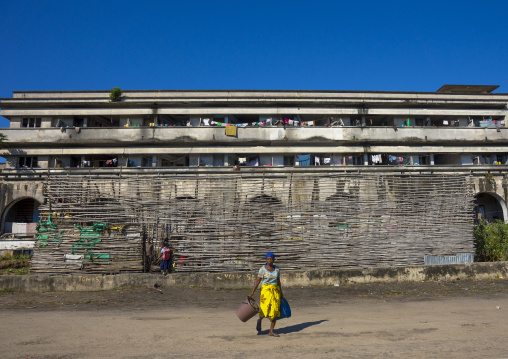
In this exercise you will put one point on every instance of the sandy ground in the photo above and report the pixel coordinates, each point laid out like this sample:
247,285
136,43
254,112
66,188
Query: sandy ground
452,319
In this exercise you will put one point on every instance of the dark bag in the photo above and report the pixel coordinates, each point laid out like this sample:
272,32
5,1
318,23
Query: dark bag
285,310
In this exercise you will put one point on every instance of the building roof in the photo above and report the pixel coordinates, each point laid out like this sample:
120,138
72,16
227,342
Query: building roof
470,89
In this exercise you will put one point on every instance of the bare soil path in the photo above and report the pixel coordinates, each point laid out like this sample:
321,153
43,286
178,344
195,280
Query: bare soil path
453,319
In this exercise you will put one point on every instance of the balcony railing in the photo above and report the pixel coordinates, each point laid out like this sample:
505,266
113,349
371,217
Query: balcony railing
265,136
41,174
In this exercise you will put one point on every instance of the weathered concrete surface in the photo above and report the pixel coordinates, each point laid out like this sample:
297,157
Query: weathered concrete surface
42,283
352,137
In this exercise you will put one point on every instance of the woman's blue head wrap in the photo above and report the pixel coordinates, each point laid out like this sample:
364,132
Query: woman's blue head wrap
270,254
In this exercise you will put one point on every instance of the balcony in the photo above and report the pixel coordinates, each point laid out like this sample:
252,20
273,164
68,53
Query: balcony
250,136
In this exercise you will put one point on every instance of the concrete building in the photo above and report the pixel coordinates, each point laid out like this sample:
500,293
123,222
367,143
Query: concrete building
458,130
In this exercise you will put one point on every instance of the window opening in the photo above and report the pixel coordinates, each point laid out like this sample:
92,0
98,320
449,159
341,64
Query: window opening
147,161
78,122
31,122
75,161
354,160
29,162
289,160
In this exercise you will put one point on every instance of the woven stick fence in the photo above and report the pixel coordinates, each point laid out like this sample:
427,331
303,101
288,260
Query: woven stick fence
219,223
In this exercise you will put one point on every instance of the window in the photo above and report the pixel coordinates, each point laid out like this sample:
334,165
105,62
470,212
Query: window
354,160
147,161
218,160
31,122
424,160
166,162
289,160
75,161
29,162
78,122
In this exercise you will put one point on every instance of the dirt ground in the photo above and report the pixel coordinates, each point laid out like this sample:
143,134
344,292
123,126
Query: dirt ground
452,319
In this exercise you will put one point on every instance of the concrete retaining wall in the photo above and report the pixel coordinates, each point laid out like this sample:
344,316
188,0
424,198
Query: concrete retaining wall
43,283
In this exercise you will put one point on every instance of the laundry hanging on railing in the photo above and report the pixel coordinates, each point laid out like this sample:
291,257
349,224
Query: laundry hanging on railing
304,160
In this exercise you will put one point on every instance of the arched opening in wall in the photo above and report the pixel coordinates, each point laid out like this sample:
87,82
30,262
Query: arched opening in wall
21,217
490,207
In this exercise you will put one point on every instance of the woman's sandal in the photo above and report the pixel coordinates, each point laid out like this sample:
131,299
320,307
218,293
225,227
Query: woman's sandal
274,335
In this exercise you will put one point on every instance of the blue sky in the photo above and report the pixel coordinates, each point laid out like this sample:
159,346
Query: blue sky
295,45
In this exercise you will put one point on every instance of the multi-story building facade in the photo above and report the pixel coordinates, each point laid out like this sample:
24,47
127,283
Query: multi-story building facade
456,131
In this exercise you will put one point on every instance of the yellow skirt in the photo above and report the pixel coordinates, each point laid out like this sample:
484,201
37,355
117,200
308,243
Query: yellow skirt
270,302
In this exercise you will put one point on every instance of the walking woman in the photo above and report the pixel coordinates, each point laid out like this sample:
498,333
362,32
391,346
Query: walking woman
271,293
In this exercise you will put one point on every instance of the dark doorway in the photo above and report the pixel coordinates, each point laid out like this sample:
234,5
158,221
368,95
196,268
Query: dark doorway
488,207
21,216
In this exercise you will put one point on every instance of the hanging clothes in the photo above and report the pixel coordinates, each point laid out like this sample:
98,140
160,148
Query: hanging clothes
304,160
254,162
395,159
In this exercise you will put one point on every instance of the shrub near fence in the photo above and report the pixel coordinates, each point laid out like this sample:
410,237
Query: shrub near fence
491,241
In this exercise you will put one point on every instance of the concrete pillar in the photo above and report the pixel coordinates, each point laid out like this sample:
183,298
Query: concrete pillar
365,158
15,122
432,159
43,161
154,161
46,122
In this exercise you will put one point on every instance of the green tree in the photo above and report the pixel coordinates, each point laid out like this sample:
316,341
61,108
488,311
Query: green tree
115,95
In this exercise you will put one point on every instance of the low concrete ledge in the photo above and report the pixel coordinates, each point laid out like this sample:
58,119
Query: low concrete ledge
239,280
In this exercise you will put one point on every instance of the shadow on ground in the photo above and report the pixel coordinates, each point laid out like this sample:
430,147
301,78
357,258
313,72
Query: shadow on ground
293,328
